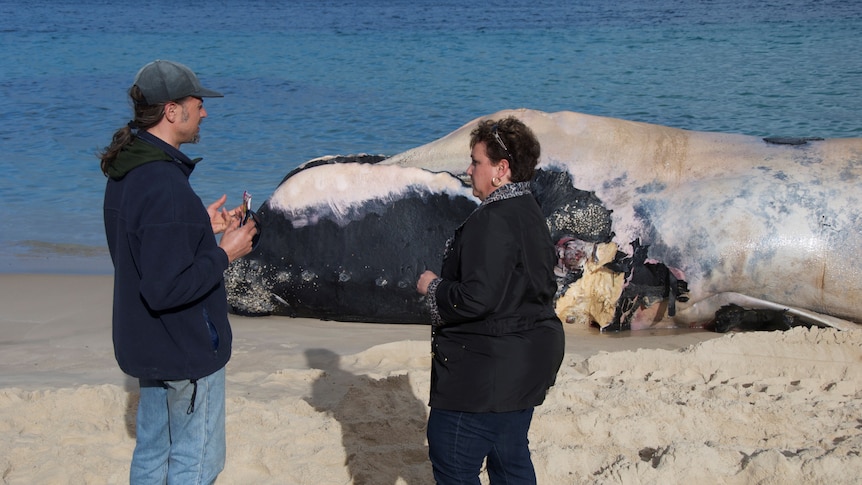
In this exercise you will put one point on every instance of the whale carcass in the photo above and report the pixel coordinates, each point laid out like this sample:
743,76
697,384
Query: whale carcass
655,226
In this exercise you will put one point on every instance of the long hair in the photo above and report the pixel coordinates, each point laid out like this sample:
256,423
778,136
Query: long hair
516,143
146,116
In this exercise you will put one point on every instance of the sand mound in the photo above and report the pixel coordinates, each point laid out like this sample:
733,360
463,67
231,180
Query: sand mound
743,408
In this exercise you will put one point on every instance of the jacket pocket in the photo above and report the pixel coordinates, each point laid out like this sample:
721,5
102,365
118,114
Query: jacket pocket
447,351
214,339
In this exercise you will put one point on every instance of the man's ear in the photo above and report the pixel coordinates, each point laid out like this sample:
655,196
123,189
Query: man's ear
172,110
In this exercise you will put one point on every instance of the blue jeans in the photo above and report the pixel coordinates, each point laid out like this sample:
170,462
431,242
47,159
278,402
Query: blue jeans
459,442
174,445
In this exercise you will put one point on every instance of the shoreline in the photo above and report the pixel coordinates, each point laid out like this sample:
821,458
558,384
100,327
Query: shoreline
49,258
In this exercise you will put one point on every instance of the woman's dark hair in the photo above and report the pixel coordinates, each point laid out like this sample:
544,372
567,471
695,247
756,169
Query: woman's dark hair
146,116
511,139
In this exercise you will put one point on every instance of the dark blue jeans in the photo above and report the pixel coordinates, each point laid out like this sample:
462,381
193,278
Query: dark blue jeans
459,442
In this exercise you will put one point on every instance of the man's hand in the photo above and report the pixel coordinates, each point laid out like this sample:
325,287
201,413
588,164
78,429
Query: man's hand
236,240
221,218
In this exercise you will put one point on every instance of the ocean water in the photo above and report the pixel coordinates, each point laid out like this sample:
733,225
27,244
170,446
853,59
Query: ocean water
304,79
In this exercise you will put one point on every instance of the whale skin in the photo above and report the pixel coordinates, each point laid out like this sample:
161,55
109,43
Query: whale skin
654,226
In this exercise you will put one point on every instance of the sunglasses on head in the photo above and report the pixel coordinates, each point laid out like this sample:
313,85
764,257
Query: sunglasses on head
500,141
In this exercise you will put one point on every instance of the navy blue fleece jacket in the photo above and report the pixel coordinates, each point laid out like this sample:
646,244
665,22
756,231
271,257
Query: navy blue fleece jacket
170,307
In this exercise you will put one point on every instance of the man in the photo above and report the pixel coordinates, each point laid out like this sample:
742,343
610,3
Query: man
170,324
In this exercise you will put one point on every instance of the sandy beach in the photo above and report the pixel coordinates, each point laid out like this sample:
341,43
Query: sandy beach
320,402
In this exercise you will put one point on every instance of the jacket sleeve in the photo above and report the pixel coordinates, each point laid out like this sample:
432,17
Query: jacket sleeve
487,256
180,261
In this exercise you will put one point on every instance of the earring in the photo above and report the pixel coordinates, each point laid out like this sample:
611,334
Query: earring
496,182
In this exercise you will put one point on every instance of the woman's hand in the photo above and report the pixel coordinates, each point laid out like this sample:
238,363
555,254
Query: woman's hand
425,279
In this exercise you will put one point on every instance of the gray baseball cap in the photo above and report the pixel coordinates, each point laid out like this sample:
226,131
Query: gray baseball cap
162,81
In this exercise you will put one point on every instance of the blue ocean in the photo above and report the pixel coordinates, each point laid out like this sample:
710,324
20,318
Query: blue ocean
304,79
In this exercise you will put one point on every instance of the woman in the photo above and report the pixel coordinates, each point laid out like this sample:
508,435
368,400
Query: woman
496,342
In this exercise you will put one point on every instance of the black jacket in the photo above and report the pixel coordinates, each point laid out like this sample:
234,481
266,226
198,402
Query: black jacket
170,307
501,344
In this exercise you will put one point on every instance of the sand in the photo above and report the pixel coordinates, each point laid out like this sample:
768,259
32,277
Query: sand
317,402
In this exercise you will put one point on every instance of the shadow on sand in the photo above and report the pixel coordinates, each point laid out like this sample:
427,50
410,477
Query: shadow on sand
382,422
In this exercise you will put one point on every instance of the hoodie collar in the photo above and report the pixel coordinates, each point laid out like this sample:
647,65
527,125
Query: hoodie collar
145,148
173,153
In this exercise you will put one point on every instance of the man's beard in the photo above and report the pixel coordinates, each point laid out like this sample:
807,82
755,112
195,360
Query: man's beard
197,136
